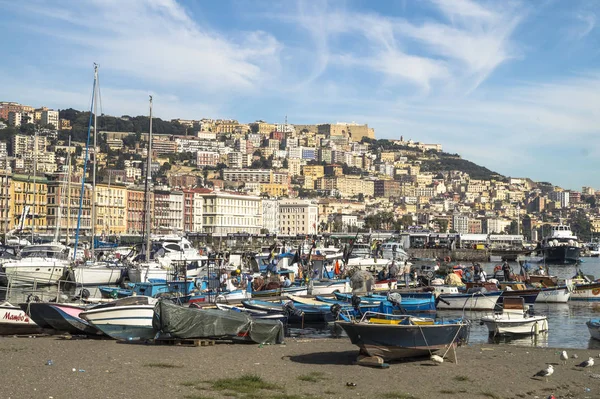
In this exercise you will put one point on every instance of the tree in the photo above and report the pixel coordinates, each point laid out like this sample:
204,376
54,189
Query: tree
286,164
581,225
443,223
361,197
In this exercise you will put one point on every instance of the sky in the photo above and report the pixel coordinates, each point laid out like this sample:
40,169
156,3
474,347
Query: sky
511,85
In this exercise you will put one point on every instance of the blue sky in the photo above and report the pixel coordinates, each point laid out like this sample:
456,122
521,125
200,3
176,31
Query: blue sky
512,85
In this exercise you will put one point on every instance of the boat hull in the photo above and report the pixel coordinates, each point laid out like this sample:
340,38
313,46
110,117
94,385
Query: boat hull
66,318
39,272
125,323
594,328
562,255
586,292
137,275
13,320
517,326
486,301
329,288
392,342
529,296
96,275
553,295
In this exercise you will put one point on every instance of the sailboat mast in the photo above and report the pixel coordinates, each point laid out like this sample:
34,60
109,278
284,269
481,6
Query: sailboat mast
6,189
69,193
148,182
85,162
34,213
95,163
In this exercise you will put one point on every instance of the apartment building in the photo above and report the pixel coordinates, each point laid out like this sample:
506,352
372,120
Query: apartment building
64,199
192,210
207,158
270,215
168,211
49,117
298,217
111,209
28,205
226,212
136,209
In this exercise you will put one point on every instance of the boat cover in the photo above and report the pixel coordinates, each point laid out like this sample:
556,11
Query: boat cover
183,322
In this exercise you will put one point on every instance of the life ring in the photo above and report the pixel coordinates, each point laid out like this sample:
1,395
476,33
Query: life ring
596,291
447,259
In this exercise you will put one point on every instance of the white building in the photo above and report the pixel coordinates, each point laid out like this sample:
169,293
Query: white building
168,211
460,224
226,212
270,215
50,117
497,225
560,196
297,217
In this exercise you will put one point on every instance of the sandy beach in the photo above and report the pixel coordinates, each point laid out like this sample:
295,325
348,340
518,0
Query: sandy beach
302,368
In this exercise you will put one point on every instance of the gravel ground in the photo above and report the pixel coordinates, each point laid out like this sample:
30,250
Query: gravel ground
302,368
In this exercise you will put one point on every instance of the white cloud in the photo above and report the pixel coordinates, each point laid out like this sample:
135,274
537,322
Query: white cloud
158,42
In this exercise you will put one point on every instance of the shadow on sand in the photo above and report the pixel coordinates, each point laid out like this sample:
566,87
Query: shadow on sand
337,358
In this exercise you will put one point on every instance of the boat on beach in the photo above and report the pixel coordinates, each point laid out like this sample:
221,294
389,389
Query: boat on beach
479,299
403,336
61,317
173,321
593,326
39,264
124,319
13,320
97,273
515,320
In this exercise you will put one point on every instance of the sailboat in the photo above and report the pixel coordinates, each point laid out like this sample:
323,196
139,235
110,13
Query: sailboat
93,272
148,269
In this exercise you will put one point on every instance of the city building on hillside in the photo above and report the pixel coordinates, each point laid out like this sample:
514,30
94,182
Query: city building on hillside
225,212
168,211
207,158
297,217
49,117
111,209
270,215
460,224
29,198
136,209
192,210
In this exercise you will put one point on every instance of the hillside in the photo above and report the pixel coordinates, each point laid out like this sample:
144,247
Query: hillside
446,162
137,124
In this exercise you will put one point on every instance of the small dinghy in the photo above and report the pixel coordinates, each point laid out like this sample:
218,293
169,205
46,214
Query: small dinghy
515,320
594,328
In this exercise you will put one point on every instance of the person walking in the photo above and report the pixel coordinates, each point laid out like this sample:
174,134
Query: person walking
406,274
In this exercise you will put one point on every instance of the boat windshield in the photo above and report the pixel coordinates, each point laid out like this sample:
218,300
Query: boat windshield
43,251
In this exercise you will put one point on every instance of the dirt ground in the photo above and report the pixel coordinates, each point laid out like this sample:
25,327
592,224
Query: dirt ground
302,368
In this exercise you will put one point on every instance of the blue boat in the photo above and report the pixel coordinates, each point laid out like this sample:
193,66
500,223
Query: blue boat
410,302
403,336
296,313
152,288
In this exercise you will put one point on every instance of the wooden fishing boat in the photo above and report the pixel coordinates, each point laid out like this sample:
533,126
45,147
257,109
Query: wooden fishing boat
560,294
124,319
403,336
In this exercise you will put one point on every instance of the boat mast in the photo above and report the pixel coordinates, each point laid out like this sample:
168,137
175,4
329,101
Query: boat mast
95,162
68,193
148,182
33,214
85,162
6,189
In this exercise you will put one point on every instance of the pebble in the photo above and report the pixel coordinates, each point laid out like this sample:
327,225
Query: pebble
574,356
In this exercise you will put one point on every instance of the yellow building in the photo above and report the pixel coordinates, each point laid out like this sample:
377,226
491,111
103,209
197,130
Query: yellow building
28,205
111,209
388,156
274,189
313,171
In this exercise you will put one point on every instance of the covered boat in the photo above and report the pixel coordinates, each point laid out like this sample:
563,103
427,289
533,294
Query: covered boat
15,321
403,336
594,328
124,319
180,322
515,320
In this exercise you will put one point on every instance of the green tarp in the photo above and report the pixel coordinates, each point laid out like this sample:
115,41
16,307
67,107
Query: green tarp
183,322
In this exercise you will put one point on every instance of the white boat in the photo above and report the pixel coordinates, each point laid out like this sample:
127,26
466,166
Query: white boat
14,321
553,295
233,296
328,287
96,274
124,319
368,264
394,250
515,320
594,328
452,299
175,249
42,264
145,271
584,290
